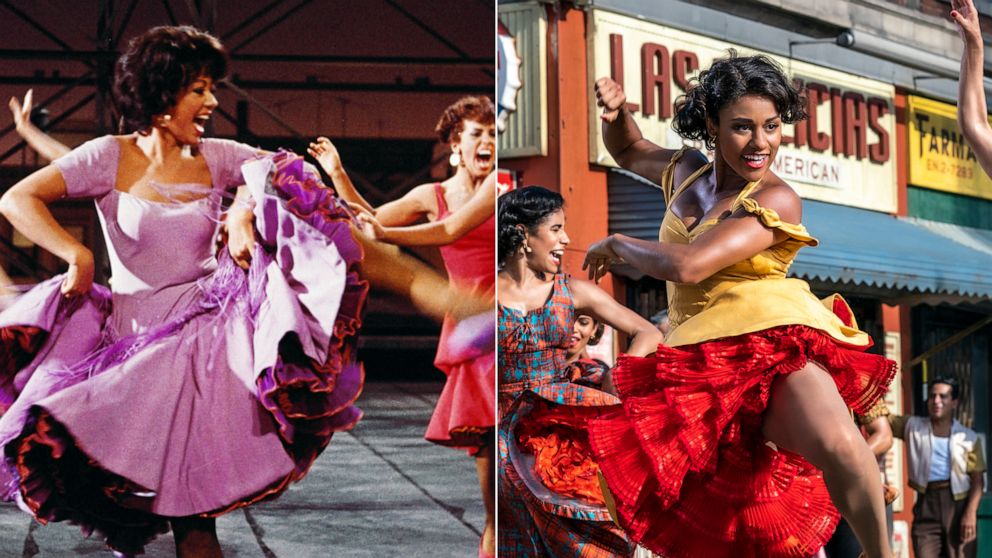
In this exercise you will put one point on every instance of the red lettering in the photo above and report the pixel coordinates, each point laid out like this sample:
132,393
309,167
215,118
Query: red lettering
818,141
877,109
616,65
855,125
683,64
656,74
837,119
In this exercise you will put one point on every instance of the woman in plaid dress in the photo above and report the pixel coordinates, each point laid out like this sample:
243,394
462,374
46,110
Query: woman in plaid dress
550,500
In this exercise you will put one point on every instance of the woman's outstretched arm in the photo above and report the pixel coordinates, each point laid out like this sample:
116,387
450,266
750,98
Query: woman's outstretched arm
481,207
972,110
44,144
413,205
735,239
590,299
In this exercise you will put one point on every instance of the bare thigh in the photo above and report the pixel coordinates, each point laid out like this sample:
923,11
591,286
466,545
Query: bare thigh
807,415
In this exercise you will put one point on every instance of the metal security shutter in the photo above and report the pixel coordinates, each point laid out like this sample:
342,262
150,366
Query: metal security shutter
636,206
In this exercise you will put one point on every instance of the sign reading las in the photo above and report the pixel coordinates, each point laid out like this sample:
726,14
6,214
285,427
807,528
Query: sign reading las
842,153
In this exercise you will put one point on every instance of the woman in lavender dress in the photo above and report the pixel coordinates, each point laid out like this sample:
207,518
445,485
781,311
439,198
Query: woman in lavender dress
202,381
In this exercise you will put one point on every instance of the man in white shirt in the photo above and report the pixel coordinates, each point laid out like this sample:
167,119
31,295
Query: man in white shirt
946,463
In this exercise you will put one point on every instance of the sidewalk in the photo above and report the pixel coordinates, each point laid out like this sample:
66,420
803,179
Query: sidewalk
379,490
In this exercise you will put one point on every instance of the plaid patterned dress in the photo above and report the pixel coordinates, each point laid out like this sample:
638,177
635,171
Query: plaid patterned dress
549,496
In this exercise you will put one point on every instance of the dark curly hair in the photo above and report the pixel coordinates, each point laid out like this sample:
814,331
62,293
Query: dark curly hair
479,109
529,207
157,66
727,80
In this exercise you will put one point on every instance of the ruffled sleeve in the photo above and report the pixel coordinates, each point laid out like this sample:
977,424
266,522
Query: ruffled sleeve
769,218
90,170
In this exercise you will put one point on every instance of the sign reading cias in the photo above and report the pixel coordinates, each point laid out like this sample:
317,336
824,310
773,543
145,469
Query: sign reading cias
843,153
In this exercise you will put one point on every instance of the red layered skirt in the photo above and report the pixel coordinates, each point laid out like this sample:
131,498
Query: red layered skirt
685,459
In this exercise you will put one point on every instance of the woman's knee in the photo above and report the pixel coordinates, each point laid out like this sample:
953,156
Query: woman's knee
843,450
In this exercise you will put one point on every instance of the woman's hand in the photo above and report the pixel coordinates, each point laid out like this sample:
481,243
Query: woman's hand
963,13
79,278
599,257
326,154
22,111
371,227
611,97
240,227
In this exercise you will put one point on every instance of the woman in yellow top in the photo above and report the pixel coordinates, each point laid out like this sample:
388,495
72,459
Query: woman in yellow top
735,437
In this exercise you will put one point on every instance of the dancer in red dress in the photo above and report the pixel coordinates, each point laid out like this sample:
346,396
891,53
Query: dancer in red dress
461,211
734,440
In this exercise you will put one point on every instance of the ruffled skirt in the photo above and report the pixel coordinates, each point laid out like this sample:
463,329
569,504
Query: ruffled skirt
224,405
684,457
550,502
465,414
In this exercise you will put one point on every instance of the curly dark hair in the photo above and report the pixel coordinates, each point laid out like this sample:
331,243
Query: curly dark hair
157,66
479,109
528,207
727,80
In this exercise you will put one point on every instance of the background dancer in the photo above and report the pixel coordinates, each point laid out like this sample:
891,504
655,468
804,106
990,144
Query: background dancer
229,398
752,357
550,500
461,211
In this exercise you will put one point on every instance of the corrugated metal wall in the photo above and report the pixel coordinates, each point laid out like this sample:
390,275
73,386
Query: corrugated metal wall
636,208
526,131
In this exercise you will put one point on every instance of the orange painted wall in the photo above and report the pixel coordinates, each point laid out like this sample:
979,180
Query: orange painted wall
566,167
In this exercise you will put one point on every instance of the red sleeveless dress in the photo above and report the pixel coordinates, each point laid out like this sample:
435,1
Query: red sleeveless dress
465,413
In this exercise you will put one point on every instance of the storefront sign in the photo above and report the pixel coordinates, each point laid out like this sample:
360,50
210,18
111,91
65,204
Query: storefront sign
939,158
843,153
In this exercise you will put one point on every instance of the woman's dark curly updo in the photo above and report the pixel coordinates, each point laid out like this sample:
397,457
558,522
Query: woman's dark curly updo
478,109
727,80
528,207
157,66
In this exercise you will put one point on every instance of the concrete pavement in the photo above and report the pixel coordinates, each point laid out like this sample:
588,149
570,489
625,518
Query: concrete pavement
379,490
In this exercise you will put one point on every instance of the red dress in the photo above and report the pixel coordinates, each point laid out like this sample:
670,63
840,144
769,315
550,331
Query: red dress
684,455
465,414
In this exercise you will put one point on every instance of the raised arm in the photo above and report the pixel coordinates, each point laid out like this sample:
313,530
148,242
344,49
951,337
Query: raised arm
41,142
590,299
972,110
25,205
327,155
740,236
409,208
481,207
623,137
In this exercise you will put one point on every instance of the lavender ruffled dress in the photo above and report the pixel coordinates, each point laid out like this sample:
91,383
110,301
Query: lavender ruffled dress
190,387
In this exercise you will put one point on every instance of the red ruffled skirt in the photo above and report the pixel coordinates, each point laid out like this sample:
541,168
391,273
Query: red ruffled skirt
685,459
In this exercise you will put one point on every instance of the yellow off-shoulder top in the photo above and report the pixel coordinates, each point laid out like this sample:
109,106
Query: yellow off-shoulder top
753,294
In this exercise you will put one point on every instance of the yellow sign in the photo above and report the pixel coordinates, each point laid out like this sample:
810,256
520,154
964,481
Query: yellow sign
939,158
844,153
